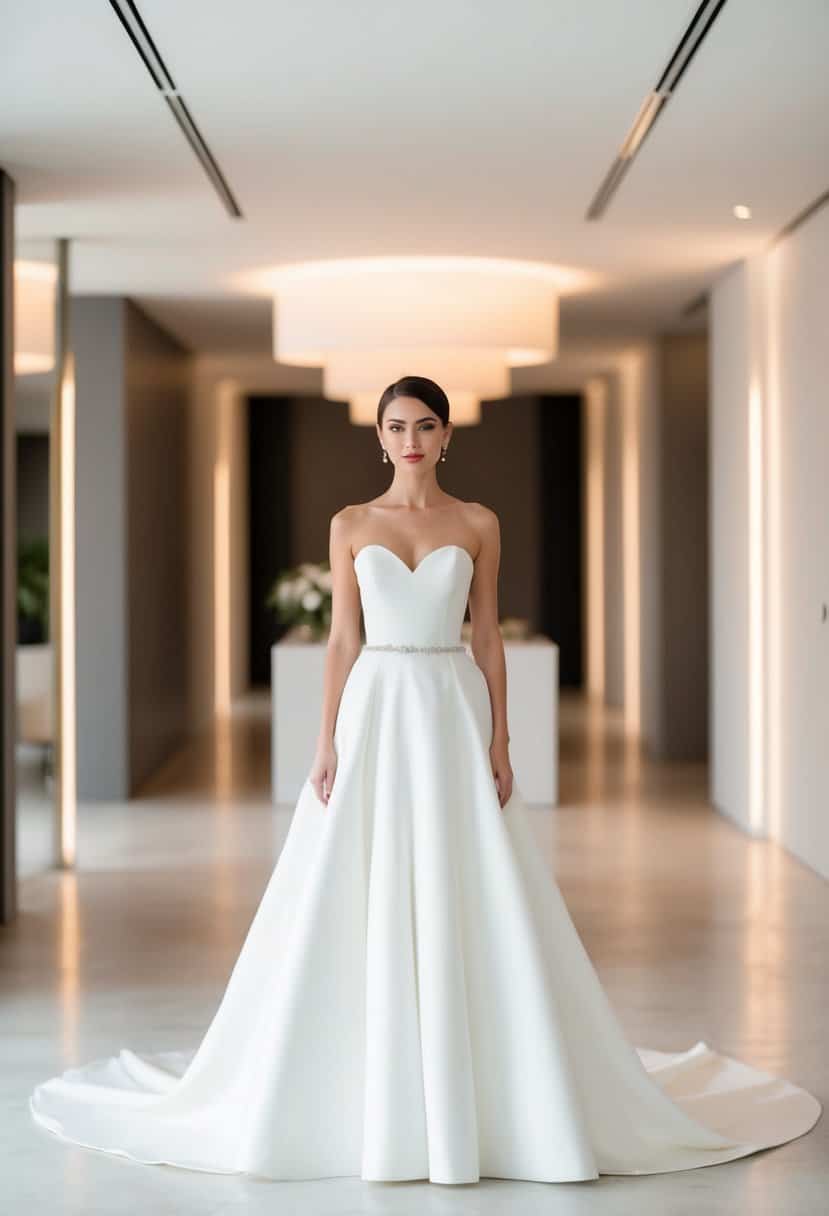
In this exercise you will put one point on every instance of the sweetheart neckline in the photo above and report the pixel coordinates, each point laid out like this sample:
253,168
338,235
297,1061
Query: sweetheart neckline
405,565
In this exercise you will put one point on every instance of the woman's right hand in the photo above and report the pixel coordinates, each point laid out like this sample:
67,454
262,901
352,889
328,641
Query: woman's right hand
323,770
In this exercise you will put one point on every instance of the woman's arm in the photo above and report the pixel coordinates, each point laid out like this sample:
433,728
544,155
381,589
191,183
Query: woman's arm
343,647
488,646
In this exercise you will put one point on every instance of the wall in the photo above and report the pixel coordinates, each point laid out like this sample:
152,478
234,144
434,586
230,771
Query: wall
131,398
614,556
729,548
8,563
32,486
97,339
217,634
798,581
651,665
560,460
769,530
155,433
662,393
683,569
33,402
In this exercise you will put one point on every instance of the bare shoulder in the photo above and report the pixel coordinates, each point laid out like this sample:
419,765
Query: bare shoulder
482,519
344,524
348,517
481,514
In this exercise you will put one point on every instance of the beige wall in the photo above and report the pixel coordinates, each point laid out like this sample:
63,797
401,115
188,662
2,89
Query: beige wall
646,542
217,638
770,543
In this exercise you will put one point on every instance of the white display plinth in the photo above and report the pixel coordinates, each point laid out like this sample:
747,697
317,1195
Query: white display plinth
297,670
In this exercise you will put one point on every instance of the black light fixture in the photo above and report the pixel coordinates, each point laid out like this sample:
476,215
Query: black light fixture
142,40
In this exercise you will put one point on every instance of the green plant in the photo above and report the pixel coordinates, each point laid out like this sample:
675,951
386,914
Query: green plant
33,582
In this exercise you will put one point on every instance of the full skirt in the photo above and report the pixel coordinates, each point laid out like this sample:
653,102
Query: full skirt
412,999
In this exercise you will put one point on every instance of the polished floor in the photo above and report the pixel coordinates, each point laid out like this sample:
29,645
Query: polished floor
696,931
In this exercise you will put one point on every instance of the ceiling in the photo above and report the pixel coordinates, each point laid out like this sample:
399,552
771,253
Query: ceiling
442,127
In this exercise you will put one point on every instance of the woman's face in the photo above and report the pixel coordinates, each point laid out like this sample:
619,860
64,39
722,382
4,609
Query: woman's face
410,427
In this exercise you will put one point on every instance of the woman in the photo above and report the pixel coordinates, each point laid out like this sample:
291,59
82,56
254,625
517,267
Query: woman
412,999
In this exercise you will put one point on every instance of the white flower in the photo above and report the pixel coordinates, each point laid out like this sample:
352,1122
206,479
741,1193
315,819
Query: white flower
311,600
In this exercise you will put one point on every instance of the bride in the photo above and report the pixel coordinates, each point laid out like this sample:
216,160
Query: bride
412,999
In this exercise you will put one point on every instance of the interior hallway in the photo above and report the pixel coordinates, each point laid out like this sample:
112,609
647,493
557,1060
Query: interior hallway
697,932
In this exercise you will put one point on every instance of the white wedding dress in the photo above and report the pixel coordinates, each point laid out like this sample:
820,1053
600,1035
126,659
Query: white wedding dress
412,1000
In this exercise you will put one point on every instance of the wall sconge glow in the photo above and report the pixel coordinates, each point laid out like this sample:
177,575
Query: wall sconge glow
756,615
775,598
742,212
595,404
35,286
631,392
67,774
225,398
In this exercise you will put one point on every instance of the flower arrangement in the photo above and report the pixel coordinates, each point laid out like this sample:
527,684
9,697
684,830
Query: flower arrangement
301,597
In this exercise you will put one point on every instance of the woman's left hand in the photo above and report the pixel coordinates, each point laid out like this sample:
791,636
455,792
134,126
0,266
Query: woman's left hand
501,770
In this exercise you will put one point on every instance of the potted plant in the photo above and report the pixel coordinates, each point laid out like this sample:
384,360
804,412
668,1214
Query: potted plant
33,591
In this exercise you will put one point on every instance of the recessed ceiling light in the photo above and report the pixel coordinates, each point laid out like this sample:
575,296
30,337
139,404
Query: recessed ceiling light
742,212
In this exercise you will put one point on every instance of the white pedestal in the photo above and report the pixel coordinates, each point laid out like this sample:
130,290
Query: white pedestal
297,670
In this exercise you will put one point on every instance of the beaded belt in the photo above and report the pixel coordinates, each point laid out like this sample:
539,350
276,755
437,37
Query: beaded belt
419,649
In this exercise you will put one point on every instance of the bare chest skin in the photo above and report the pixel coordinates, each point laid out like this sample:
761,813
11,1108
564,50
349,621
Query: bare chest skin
412,533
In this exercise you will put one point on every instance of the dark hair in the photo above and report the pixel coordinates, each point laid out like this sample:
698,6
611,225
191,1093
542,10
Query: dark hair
423,389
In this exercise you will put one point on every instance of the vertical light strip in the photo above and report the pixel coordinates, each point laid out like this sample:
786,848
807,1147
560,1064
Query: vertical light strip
756,614
595,402
774,555
62,573
631,380
66,708
225,395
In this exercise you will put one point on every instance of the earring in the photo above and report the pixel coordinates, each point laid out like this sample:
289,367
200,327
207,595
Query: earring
443,453
385,456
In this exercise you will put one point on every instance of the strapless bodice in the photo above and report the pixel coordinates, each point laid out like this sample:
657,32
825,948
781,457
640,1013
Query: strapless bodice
422,607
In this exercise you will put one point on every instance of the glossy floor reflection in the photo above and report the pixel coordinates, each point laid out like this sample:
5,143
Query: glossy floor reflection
35,808
696,931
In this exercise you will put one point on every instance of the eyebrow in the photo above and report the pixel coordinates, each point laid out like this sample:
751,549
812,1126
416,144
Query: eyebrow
428,418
